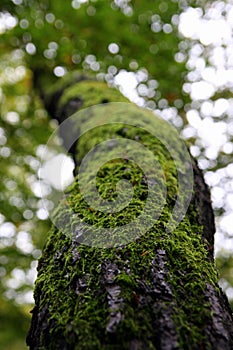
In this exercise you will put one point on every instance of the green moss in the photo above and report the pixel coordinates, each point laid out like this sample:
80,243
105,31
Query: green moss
91,93
85,314
73,277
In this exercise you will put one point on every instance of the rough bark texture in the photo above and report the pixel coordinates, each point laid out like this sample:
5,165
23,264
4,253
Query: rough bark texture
159,291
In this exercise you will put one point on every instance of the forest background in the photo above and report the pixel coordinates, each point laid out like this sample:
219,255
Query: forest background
174,57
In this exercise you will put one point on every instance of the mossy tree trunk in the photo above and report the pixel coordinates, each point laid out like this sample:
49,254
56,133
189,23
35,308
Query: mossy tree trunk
155,291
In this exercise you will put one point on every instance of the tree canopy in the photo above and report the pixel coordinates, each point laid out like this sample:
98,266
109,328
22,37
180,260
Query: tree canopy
146,43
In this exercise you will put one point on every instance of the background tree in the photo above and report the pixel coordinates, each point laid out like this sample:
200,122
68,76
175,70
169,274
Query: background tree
147,43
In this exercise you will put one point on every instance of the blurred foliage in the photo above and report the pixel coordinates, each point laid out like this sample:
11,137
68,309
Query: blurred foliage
225,265
103,36
50,39
14,325
23,128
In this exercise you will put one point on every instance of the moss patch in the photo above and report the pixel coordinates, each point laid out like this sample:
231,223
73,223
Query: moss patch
136,294
91,93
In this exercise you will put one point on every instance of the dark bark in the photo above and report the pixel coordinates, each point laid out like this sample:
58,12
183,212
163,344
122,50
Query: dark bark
158,292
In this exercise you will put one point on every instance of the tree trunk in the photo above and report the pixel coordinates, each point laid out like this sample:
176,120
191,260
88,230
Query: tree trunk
108,279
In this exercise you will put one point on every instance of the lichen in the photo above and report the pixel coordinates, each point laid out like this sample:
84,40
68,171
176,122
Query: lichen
159,279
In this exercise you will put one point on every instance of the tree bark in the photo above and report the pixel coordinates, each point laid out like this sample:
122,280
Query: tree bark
158,290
